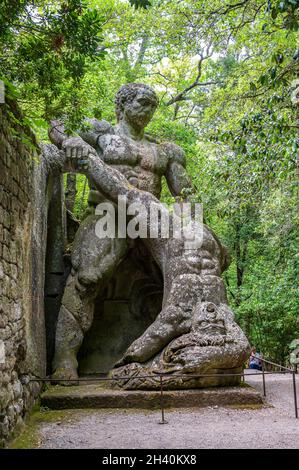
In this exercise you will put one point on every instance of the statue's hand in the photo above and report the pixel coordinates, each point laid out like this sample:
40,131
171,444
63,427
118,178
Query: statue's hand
76,152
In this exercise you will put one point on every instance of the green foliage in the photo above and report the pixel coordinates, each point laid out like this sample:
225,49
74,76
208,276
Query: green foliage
286,11
45,49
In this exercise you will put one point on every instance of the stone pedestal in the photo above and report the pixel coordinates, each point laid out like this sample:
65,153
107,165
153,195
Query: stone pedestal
100,396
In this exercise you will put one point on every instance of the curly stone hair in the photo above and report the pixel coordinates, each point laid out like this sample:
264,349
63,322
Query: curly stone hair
127,93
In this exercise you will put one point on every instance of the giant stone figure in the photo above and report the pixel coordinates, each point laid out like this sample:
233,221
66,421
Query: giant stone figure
144,163
195,332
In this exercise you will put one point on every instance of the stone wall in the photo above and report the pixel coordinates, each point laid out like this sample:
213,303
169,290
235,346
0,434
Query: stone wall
24,196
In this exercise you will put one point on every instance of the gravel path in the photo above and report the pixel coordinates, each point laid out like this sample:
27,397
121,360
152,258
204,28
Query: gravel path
279,390
269,427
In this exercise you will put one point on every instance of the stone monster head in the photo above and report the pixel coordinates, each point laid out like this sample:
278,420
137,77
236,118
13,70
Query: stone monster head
136,104
208,318
209,324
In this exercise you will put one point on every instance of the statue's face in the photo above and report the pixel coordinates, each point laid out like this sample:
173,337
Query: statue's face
208,320
141,110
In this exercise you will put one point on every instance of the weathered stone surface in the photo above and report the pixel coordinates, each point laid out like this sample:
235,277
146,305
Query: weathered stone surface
194,309
212,344
195,331
97,396
16,301
25,191
143,163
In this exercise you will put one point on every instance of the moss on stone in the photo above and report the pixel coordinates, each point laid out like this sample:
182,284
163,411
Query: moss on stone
30,437
244,385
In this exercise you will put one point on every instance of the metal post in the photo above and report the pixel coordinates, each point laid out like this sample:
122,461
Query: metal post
264,382
162,402
295,394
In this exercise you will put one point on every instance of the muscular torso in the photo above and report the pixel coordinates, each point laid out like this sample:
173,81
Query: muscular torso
143,163
206,259
204,263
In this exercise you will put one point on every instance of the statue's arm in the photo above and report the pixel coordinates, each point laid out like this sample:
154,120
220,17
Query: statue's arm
74,149
110,182
81,157
177,178
79,146
93,130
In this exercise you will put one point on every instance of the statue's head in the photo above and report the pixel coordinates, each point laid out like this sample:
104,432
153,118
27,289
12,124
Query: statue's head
208,319
136,103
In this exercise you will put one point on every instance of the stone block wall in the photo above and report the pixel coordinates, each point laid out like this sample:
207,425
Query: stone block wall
22,355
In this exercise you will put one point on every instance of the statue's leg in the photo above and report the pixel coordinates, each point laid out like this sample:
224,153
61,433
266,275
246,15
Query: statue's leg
170,322
74,319
93,263
175,319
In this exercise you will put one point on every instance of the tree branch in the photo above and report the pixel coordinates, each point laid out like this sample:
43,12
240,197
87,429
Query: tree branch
181,96
142,51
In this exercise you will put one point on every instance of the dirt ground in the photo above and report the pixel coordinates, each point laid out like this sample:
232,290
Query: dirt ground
268,427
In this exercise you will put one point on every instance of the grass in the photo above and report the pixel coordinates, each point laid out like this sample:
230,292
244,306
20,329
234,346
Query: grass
30,437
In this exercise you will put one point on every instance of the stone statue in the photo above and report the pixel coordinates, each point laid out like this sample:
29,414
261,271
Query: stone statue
143,162
195,332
